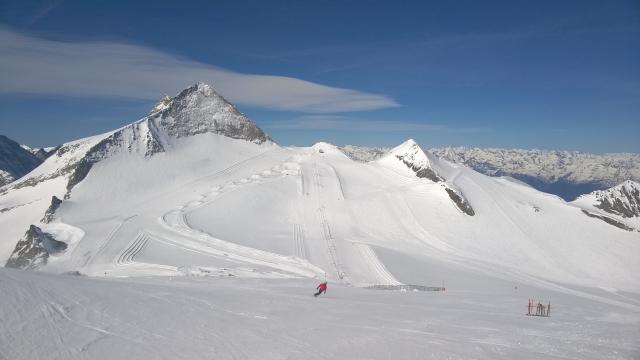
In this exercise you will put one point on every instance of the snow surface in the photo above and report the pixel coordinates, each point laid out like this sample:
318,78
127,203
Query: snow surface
201,245
313,212
47,316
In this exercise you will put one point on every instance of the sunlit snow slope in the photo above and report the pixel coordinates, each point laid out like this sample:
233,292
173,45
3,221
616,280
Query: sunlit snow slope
210,204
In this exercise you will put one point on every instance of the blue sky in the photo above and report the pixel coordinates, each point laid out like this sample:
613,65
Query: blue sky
536,74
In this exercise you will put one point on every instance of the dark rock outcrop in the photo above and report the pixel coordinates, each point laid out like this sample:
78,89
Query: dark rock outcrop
413,157
460,202
196,110
622,200
199,109
51,211
421,171
34,249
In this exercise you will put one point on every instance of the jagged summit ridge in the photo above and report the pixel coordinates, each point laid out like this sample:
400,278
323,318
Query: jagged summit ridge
196,110
200,109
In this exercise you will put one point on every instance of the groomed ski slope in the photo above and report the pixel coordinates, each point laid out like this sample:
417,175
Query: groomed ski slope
215,204
46,316
212,250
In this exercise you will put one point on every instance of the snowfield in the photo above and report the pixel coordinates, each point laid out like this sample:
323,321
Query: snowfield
242,233
71,317
197,237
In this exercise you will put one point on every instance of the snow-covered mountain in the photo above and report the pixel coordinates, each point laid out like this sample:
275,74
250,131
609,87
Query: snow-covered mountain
196,110
564,173
15,161
567,174
197,188
620,204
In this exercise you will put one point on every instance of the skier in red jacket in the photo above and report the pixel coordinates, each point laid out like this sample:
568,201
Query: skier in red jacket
322,288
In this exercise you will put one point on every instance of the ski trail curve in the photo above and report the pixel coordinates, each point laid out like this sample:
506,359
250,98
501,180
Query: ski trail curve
107,242
176,221
128,256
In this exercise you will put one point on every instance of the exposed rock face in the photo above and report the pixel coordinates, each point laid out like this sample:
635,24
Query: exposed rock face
34,249
199,109
460,201
5,178
414,158
141,137
622,200
51,211
15,161
196,110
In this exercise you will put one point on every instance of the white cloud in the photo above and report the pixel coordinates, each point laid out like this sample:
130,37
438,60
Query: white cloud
30,65
344,123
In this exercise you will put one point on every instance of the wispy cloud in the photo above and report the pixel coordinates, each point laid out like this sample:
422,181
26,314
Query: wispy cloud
42,12
345,123
30,65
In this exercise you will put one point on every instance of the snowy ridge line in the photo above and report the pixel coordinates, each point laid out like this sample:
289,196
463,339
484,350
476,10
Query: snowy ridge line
128,256
381,271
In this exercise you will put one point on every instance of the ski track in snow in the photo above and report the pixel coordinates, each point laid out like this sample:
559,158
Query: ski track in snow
331,245
49,316
326,228
129,255
108,241
190,239
376,266
299,245
176,221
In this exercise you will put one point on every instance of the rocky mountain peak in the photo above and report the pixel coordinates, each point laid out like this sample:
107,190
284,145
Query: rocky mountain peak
200,109
622,199
412,155
161,104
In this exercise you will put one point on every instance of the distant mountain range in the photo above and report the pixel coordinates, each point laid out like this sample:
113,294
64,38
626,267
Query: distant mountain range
567,174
